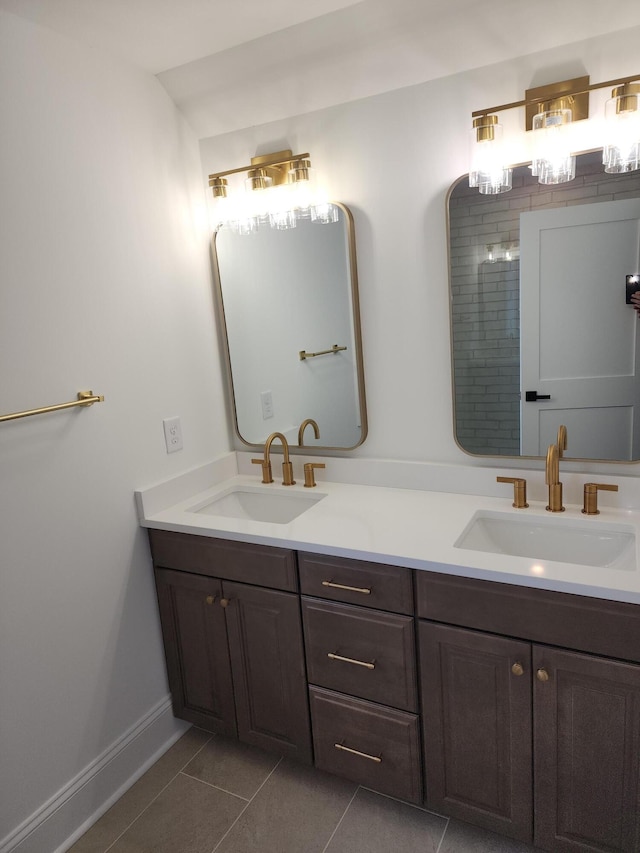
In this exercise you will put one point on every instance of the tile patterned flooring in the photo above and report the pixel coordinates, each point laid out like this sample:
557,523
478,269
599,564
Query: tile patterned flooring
209,794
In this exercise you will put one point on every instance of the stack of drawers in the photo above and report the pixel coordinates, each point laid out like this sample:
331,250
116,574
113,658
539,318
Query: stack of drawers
360,650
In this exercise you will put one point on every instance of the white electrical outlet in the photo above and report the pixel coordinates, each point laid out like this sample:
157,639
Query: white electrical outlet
267,405
172,434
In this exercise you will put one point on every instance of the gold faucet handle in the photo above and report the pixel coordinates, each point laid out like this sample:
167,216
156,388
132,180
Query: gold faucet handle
309,476
267,476
591,496
519,490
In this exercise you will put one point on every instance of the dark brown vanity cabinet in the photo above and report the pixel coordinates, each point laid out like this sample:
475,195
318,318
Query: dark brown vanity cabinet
234,650
360,647
526,739
526,720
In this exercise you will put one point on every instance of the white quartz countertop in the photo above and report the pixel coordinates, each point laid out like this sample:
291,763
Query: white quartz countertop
405,527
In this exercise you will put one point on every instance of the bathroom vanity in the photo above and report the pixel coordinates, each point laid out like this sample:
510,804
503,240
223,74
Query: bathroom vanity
513,704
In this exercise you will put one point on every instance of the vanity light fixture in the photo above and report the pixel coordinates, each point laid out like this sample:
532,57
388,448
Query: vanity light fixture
280,189
488,171
621,152
553,161
551,113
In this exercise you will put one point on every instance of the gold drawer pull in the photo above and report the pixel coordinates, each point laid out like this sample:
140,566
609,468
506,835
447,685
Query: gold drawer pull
375,758
364,663
363,589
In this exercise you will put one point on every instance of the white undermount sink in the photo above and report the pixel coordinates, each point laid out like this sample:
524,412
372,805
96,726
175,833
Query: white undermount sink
258,504
564,540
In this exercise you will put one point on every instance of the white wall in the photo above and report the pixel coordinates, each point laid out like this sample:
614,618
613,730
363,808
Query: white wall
104,285
391,158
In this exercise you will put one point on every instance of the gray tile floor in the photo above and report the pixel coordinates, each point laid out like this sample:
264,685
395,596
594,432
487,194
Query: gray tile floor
209,794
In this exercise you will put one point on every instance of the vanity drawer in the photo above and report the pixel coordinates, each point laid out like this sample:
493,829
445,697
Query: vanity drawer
222,558
367,653
596,625
357,582
375,746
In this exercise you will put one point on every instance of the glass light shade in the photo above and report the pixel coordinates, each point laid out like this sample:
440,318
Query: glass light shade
220,212
488,171
281,208
244,224
220,207
304,190
552,161
621,151
257,198
325,213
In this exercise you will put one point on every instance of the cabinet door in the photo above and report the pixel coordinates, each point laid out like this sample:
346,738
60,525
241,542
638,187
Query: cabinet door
587,752
476,709
267,660
196,649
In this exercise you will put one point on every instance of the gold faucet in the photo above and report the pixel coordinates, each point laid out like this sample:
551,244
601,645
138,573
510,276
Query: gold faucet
303,426
552,470
562,440
287,467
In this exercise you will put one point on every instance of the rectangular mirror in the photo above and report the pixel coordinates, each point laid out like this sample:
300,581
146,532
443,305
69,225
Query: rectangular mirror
540,329
289,304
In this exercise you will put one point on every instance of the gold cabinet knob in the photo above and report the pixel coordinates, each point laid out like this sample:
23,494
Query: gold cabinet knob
517,669
542,675
224,602
210,599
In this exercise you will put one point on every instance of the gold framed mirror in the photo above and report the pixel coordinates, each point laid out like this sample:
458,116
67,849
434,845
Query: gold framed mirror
290,318
541,333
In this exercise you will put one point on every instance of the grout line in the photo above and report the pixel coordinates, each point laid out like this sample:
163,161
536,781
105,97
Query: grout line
138,816
341,819
443,834
247,806
215,787
403,802
153,799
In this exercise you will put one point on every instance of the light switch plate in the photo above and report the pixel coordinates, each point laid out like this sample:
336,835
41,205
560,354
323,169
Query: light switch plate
266,400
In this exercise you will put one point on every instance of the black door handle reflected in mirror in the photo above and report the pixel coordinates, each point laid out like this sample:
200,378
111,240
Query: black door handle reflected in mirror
532,396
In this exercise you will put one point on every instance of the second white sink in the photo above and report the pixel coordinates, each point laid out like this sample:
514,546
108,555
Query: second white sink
562,540
258,504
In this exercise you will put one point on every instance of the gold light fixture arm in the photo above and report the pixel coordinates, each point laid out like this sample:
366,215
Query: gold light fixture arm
85,398
275,165
579,86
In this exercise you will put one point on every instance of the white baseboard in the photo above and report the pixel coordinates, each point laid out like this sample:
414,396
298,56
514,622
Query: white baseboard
60,821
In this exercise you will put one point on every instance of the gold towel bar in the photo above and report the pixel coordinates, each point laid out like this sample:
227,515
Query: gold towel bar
85,398
334,349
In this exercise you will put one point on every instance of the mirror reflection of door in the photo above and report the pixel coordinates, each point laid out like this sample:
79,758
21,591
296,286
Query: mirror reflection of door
485,261
579,339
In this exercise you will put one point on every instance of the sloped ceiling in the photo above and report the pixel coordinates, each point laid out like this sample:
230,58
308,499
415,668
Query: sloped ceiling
230,64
